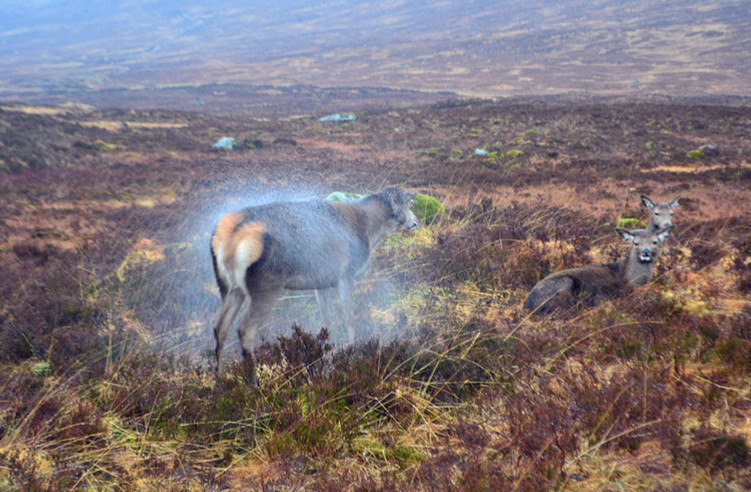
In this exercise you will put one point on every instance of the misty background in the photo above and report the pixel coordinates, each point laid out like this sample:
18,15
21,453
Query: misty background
59,51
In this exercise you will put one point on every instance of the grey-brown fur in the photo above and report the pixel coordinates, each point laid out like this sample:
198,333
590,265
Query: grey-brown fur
662,213
261,251
590,284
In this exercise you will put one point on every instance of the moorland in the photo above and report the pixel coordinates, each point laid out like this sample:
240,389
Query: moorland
108,301
133,54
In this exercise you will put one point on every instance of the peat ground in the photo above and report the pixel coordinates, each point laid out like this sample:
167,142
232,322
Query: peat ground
107,302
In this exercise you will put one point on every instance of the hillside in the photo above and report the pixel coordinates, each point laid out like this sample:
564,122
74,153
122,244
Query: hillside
53,52
108,301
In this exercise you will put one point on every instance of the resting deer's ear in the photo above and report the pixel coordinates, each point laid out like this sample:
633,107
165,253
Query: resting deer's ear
625,234
664,234
647,202
674,201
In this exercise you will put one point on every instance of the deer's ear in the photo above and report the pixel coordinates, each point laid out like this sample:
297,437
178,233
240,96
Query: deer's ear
647,202
398,196
674,201
625,234
665,233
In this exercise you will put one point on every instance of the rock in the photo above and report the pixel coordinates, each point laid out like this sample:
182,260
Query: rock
338,117
226,143
709,150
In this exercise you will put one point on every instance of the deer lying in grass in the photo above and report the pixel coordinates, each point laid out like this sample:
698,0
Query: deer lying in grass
662,213
590,284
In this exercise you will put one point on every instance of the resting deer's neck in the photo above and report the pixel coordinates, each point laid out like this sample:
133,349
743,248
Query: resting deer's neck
634,271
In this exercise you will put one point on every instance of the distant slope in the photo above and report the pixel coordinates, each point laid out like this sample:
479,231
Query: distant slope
53,51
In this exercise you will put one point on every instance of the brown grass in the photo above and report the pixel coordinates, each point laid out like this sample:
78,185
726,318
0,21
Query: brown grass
108,301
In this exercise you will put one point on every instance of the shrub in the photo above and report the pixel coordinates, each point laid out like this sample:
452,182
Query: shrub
716,450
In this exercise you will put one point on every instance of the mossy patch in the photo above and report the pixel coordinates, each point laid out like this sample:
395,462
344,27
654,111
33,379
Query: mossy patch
104,146
630,223
252,144
428,208
41,368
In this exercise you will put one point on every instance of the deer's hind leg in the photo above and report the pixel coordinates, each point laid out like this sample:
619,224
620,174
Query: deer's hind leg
232,301
550,293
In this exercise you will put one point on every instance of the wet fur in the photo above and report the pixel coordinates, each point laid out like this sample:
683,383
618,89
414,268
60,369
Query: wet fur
261,251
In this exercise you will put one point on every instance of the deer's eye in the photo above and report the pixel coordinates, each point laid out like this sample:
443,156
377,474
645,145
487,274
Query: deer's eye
672,213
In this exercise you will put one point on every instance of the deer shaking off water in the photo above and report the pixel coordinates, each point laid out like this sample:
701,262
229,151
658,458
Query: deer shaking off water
260,251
